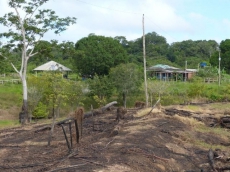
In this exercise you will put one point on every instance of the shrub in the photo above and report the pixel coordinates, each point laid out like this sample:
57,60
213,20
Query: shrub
40,111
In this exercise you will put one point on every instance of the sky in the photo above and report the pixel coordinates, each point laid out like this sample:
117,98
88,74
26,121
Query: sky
176,20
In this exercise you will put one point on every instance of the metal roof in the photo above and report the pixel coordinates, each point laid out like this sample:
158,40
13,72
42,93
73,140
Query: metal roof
52,66
169,69
162,67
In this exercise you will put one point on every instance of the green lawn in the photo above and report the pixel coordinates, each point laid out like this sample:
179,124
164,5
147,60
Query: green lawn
8,123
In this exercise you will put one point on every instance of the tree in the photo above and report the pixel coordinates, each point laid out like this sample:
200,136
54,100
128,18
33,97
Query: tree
156,89
76,93
156,45
126,78
224,54
97,54
25,32
44,52
101,88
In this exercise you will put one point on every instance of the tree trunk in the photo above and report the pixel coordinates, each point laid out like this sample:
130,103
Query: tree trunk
124,99
24,115
52,127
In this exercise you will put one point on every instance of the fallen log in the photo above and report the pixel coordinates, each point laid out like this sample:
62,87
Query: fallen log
43,129
116,129
108,105
225,119
211,159
225,122
99,111
57,123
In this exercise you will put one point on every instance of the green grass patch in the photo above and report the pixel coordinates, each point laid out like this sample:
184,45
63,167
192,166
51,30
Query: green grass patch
9,123
216,131
192,107
203,144
11,95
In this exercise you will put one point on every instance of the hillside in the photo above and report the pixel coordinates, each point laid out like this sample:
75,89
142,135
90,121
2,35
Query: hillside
162,141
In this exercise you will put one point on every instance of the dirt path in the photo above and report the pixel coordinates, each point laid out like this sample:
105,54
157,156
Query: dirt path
154,143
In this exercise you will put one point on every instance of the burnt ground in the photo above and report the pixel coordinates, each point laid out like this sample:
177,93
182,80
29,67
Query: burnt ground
157,142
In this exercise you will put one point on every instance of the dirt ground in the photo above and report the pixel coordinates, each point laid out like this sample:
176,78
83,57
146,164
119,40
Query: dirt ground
158,142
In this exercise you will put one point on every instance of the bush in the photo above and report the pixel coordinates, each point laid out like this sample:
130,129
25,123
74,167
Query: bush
40,111
196,90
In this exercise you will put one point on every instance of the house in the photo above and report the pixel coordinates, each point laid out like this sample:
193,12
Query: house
170,73
52,66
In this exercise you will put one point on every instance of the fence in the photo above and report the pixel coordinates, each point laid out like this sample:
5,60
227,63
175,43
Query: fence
209,80
13,81
3,75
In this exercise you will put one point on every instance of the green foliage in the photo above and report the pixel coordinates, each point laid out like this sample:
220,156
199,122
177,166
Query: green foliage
196,90
48,89
157,89
27,25
10,95
40,111
75,93
100,101
55,92
208,72
126,78
97,54
8,123
155,44
224,55
102,87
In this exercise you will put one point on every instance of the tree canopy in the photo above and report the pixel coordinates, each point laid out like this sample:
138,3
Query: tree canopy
97,54
224,55
126,78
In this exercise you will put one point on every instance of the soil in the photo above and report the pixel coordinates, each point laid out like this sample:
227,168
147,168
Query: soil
144,143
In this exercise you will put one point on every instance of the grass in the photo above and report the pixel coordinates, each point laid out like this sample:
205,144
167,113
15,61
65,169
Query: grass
223,133
11,95
8,123
198,126
189,121
203,144
192,107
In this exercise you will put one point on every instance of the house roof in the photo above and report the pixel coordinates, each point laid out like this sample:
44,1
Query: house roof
161,67
169,69
52,66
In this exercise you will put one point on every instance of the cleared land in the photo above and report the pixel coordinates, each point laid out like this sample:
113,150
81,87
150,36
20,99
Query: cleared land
177,139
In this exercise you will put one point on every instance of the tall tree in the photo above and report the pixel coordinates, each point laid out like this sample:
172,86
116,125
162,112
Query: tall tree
97,54
25,31
225,56
101,87
126,78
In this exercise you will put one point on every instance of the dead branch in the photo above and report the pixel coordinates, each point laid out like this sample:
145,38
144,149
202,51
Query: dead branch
162,124
93,162
108,144
154,105
140,151
12,168
42,129
67,167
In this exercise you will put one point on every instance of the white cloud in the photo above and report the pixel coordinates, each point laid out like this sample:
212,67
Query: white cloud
172,19
164,16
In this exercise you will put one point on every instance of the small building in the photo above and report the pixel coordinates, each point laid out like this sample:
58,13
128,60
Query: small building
170,73
53,66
